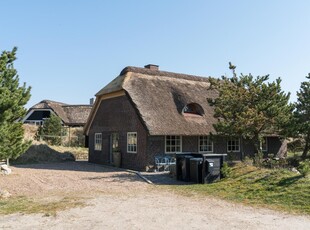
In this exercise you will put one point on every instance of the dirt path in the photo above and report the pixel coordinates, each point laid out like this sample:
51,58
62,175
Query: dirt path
121,200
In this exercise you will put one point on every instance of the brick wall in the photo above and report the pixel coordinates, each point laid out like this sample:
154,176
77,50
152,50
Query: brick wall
117,115
156,145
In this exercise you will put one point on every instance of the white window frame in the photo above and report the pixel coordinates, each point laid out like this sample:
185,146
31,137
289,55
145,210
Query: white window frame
175,146
238,145
207,139
132,147
266,145
98,141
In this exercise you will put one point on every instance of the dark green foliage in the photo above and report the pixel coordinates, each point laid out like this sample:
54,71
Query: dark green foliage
12,101
51,130
304,168
226,170
250,107
275,163
301,124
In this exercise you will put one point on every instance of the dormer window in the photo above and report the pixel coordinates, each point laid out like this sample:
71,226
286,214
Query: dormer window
193,109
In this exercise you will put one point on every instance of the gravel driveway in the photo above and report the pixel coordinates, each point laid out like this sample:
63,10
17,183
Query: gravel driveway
118,199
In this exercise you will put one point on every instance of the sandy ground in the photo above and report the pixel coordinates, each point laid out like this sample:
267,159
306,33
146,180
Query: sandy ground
118,199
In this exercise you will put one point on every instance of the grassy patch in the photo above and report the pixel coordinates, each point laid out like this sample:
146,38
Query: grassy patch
294,154
277,189
27,206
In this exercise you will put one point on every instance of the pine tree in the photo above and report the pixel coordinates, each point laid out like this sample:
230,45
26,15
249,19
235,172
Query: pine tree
250,107
13,98
51,130
302,114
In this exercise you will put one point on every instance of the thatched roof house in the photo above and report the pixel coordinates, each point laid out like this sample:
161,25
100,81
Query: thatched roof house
71,115
160,98
144,112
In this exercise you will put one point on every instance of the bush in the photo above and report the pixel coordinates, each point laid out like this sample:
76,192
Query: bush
226,170
304,168
293,161
247,160
258,159
274,163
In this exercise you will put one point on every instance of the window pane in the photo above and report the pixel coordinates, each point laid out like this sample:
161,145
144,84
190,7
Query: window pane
233,145
205,144
173,144
98,141
132,142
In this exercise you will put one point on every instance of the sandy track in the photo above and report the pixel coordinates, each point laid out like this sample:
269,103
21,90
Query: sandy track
121,200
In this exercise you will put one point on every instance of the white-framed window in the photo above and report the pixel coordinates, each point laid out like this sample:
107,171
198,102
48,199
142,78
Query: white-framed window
233,145
173,144
205,144
264,144
132,142
98,141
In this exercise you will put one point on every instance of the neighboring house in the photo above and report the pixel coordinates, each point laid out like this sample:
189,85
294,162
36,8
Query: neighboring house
145,112
71,115
73,119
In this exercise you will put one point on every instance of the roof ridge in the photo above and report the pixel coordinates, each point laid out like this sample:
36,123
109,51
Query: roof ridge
163,73
50,101
84,105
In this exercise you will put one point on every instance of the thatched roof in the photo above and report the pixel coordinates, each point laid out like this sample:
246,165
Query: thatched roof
69,114
160,97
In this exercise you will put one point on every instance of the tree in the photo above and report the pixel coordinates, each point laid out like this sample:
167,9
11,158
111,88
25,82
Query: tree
302,114
13,98
250,107
51,130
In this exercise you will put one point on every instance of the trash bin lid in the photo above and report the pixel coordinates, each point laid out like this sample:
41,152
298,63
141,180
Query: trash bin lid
196,159
210,160
188,156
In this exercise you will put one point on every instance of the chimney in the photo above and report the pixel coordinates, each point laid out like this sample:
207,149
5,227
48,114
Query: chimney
151,67
91,101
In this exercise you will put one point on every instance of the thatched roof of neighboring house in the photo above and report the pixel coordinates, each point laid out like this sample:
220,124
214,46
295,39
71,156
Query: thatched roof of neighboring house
77,114
160,98
70,114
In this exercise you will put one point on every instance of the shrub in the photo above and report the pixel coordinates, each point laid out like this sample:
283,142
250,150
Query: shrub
247,160
274,163
293,161
258,159
304,168
226,170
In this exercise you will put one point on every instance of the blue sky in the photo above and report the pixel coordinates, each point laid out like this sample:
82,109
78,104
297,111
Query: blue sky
68,50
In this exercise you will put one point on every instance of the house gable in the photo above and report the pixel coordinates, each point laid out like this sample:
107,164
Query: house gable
116,115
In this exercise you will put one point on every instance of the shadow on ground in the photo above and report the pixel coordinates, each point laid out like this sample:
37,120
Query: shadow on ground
162,178
118,178
82,166
157,178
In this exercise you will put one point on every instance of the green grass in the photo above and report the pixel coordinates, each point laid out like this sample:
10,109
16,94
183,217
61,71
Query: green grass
294,154
276,189
27,205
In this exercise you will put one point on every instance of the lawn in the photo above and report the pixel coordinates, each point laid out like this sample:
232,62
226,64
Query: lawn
278,189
